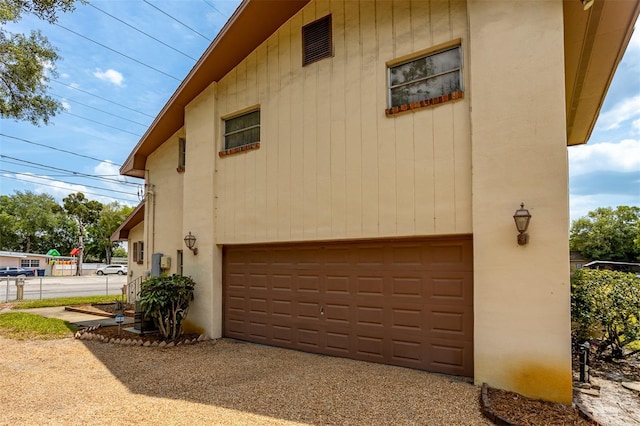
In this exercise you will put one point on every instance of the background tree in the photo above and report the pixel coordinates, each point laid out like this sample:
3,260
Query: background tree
86,213
608,234
111,217
26,60
29,222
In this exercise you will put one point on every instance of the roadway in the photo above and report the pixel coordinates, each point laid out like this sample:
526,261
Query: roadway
50,287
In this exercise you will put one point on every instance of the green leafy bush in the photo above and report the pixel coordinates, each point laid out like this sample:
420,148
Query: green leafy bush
166,300
606,305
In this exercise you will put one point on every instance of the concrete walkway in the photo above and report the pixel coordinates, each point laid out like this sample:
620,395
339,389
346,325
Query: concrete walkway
79,319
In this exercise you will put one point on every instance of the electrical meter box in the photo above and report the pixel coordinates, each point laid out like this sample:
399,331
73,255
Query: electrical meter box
165,262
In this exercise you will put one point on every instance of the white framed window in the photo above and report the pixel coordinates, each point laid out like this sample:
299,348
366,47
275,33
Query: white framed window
426,77
182,154
242,130
138,252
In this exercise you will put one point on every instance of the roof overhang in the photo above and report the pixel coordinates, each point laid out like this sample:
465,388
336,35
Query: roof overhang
136,217
594,42
250,25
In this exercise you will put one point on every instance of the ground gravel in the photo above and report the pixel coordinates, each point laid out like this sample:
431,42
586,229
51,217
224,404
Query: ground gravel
224,382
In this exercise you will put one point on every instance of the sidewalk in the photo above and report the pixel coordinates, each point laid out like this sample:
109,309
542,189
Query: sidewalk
79,319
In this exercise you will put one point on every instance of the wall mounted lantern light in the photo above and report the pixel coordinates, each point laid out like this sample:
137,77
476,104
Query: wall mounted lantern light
190,241
522,218
586,4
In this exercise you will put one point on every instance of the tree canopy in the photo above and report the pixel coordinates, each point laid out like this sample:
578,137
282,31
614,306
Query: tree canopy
608,234
36,223
27,61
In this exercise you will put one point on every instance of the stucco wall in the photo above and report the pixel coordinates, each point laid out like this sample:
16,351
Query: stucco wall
331,165
163,205
521,300
136,270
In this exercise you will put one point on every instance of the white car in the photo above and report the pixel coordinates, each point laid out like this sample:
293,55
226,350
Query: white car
112,269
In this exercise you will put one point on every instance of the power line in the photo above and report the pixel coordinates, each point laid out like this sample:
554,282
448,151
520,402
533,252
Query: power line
97,109
214,8
142,32
119,53
94,177
181,23
54,186
104,99
57,149
70,183
103,124
65,170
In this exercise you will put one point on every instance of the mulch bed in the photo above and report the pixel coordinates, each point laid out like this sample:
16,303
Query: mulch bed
510,408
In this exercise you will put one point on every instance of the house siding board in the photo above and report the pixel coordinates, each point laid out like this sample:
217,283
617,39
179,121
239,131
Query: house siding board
328,149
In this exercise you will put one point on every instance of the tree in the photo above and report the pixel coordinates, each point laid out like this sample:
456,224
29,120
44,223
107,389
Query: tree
26,60
111,217
29,222
85,212
608,234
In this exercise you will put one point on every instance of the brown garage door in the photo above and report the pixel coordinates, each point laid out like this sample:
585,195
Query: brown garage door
401,302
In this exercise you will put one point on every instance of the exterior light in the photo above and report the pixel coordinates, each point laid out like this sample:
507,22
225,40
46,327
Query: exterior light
586,4
522,218
190,241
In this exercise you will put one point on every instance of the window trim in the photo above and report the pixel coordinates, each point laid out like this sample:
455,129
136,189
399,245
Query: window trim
246,147
442,47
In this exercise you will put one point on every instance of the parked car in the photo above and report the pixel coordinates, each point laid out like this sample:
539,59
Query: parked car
112,269
12,271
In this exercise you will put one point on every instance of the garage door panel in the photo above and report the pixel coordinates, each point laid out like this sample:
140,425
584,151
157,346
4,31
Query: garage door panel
402,302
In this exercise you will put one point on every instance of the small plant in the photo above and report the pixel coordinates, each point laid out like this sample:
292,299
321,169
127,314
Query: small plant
166,300
606,305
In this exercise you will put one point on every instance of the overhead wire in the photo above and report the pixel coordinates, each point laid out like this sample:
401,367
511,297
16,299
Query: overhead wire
103,124
65,170
62,181
213,7
55,186
142,32
57,149
178,21
100,97
119,53
97,109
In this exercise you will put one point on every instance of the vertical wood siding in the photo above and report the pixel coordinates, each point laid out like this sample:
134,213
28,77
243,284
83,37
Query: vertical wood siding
331,165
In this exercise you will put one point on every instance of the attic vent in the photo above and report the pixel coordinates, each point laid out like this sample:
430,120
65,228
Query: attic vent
316,40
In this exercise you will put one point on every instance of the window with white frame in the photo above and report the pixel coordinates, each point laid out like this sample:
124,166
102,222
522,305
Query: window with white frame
242,130
29,263
426,77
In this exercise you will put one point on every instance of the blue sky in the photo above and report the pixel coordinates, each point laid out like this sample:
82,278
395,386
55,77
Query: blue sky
113,80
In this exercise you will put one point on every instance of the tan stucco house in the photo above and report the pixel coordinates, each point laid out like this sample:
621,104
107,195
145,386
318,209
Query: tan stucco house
350,171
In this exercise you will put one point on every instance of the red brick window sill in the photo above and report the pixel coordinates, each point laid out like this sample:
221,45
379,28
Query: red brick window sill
238,149
425,103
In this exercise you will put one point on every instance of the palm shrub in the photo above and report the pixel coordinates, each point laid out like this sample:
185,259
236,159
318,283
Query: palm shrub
606,305
166,299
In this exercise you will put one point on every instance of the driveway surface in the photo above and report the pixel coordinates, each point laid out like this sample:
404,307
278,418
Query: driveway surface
224,382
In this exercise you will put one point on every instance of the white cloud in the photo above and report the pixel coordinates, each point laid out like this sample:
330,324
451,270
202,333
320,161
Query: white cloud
46,185
621,157
112,76
66,105
581,205
636,126
628,109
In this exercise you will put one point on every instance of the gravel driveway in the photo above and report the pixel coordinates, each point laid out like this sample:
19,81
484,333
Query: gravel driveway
224,382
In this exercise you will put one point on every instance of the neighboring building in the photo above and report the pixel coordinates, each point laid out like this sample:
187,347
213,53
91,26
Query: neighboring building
576,260
350,171
41,264
613,266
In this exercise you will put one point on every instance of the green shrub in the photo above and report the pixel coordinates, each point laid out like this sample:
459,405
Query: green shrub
605,305
166,300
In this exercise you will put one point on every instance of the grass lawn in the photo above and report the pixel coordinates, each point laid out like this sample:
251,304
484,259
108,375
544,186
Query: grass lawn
22,325
62,301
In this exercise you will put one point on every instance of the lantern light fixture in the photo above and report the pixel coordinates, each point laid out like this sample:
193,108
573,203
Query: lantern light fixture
190,241
522,218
